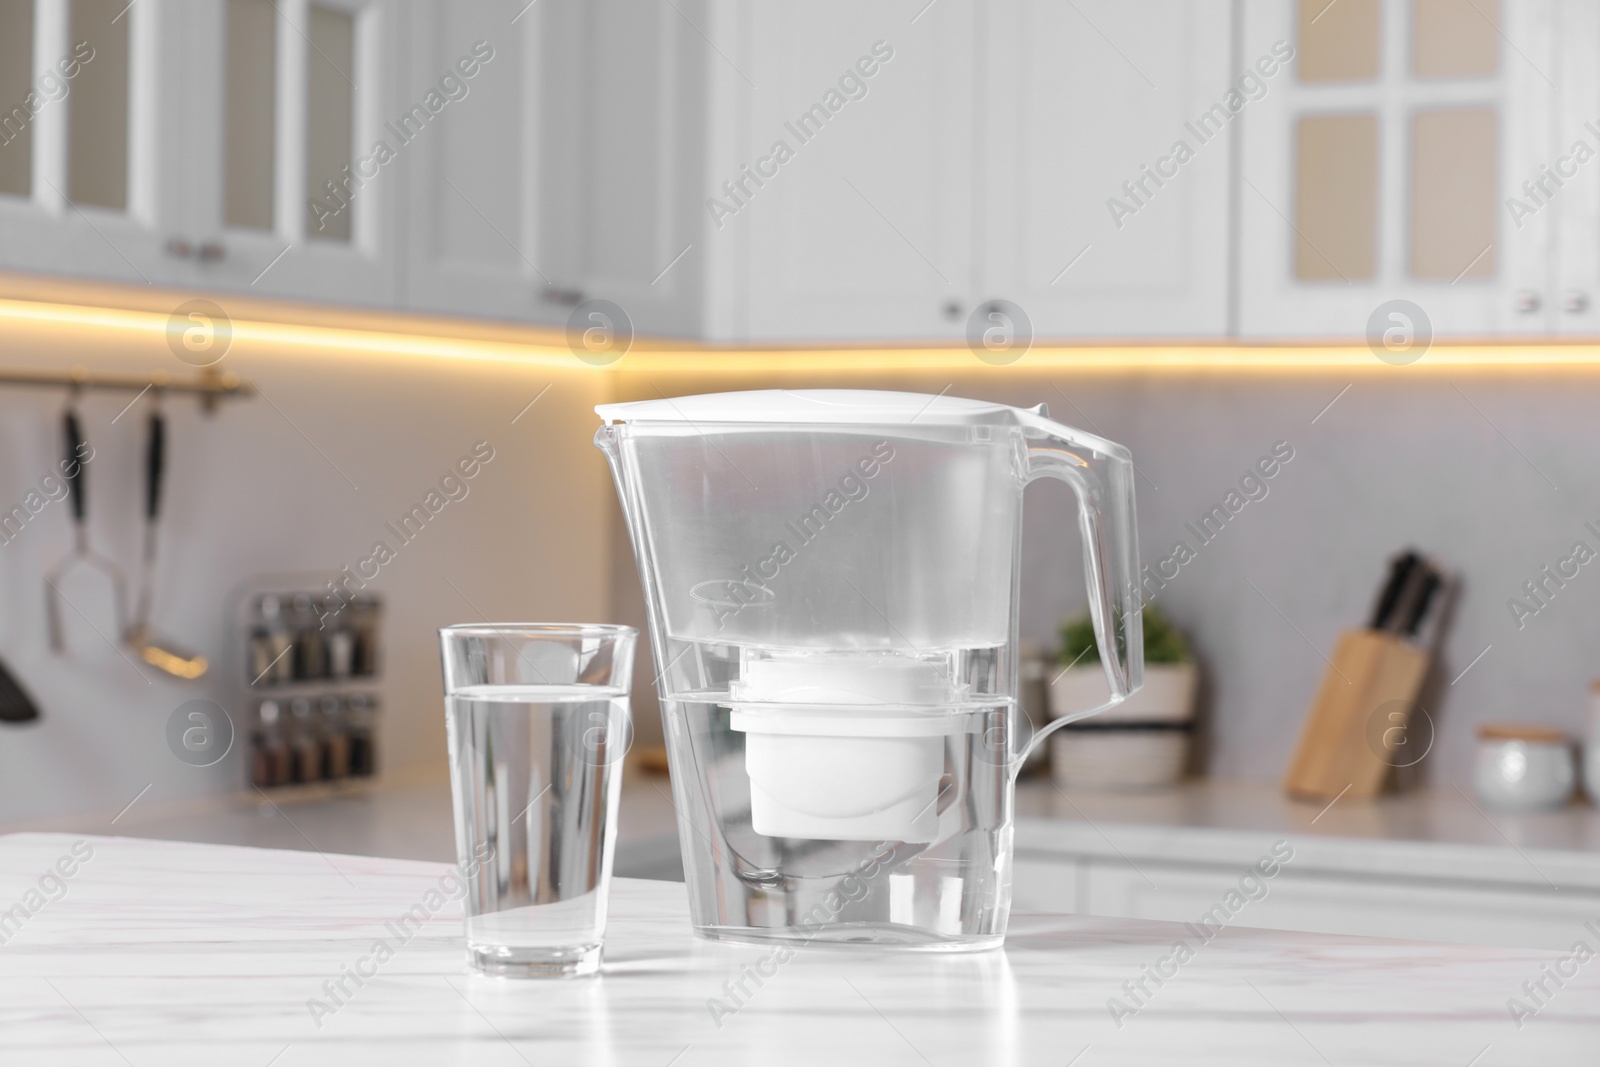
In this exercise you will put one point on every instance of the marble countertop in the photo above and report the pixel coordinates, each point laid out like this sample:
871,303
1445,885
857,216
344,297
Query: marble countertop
399,817
1442,834
155,952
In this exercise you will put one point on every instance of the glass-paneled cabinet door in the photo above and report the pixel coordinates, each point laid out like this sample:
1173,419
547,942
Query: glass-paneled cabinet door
90,110
1401,160
292,144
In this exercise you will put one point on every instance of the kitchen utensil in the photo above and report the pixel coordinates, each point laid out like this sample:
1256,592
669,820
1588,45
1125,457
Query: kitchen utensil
1431,584
158,652
1524,768
16,706
1361,716
1410,598
832,580
82,555
1400,568
538,725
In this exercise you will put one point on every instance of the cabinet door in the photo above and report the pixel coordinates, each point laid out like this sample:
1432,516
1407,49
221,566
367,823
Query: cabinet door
1104,204
1389,164
474,180
622,146
296,146
849,196
93,91
1047,884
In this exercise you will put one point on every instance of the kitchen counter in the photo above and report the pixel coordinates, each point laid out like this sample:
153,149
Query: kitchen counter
167,953
1434,833
402,817
1425,833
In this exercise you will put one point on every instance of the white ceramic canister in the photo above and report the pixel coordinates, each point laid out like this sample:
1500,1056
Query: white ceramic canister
1524,768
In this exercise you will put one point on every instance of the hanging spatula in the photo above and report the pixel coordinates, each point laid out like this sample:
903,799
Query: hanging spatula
158,652
82,554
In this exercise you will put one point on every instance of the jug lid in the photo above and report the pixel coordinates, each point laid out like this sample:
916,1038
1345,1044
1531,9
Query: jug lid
814,406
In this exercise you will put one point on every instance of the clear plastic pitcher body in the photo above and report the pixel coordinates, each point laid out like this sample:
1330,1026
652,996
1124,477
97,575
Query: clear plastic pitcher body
832,581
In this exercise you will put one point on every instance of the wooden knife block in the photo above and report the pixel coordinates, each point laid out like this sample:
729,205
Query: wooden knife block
1342,747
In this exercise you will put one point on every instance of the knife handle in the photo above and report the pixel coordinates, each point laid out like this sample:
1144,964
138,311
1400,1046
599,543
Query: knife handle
1400,568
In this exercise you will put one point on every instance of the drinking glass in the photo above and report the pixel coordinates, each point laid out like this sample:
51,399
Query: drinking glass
538,720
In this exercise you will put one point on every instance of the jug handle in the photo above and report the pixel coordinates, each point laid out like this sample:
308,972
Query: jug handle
1101,475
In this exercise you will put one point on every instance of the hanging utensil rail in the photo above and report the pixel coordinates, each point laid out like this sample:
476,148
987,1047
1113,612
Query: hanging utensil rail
209,385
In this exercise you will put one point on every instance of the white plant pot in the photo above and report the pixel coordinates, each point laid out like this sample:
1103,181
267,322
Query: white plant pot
1142,743
1166,696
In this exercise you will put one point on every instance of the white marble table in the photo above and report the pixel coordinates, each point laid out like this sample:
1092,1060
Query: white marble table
160,953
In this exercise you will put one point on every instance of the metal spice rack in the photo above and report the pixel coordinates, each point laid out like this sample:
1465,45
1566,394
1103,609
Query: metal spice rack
310,686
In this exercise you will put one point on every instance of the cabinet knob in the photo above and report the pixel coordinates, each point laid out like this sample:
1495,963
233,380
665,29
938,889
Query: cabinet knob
951,309
211,252
1575,302
1526,301
566,297
178,248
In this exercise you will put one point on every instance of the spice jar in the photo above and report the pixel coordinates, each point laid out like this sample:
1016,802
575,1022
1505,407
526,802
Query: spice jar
335,739
359,715
269,754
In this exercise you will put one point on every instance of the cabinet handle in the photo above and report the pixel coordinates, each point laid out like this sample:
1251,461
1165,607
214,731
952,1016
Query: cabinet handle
1526,301
211,252
1575,302
568,297
178,248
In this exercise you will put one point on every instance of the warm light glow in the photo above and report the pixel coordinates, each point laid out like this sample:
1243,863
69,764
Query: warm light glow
544,349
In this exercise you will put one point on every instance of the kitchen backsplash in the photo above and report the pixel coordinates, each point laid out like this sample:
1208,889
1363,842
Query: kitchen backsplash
429,482
1268,506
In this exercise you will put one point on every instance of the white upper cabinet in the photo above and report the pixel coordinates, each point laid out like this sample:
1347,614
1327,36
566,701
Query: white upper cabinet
294,147
847,196
625,123
1105,148
1389,165
217,144
833,171
89,91
473,218
888,170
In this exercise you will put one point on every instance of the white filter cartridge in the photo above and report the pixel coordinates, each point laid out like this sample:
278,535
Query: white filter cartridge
837,748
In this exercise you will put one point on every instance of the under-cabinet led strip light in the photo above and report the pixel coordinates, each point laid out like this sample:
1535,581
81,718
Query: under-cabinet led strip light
544,348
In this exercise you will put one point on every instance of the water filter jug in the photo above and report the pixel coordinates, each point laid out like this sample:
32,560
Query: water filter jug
832,580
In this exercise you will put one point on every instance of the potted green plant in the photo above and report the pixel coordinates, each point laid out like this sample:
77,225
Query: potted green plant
1142,742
